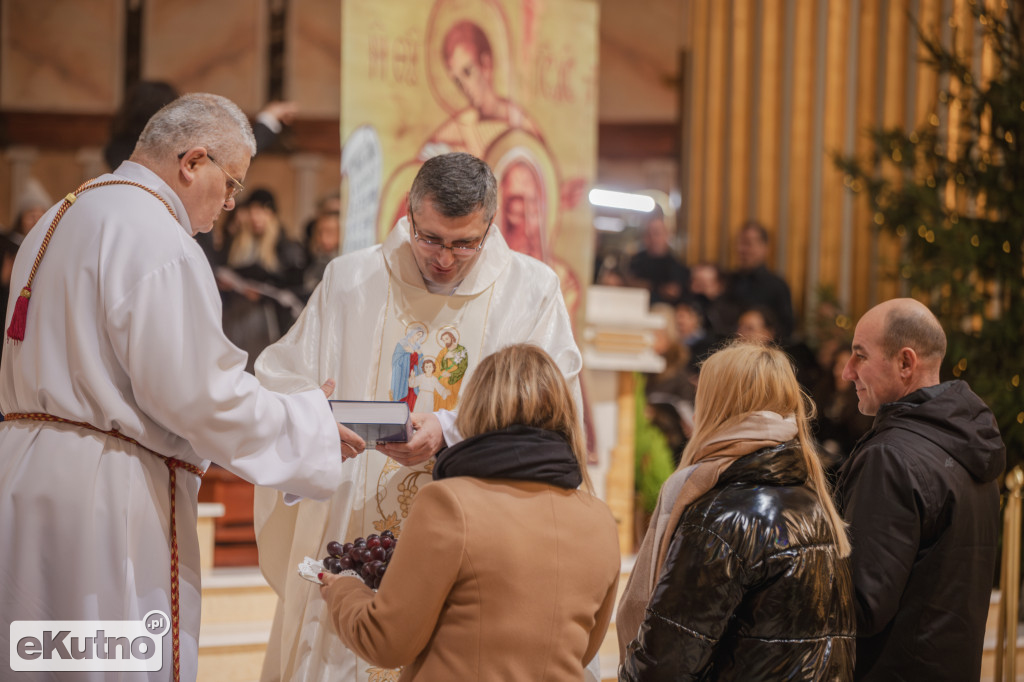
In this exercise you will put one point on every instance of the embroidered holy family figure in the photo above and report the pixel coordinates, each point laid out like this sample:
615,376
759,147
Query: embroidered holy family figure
428,381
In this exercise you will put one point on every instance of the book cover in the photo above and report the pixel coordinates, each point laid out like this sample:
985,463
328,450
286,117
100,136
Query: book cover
374,421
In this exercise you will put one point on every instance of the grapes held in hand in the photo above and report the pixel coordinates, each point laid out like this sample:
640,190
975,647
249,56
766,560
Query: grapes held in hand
368,557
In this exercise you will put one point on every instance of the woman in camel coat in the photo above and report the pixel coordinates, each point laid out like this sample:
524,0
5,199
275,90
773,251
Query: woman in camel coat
504,569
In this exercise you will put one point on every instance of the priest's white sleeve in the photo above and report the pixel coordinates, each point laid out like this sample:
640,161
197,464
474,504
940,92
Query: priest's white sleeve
552,331
188,377
292,363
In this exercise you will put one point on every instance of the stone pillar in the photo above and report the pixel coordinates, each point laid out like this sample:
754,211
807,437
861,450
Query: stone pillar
307,176
90,160
21,160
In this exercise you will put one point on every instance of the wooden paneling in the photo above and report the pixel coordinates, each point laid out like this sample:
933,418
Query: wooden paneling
775,96
867,106
769,112
313,64
639,141
794,235
61,55
696,145
714,163
201,46
835,124
737,138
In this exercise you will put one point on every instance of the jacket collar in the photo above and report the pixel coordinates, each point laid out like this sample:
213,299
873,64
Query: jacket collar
520,453
779,465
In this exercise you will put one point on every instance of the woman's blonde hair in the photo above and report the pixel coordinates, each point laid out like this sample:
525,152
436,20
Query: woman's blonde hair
522,385
247,248
747,377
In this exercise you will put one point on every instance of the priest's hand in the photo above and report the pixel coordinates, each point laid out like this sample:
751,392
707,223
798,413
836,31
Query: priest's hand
425,443
351,443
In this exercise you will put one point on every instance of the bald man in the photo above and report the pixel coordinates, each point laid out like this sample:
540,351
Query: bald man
920,493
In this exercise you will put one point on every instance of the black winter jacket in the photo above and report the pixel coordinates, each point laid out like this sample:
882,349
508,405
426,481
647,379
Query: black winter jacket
920,494
752,587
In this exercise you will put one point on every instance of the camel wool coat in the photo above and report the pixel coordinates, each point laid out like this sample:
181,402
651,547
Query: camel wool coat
491,580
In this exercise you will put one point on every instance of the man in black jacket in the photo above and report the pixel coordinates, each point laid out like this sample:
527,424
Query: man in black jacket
920,493
753,284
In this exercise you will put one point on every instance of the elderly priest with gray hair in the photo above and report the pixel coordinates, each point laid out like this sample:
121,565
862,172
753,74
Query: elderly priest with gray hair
119,388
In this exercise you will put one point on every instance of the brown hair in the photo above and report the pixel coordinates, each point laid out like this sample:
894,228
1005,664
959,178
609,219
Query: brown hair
744,378
522,385
466,33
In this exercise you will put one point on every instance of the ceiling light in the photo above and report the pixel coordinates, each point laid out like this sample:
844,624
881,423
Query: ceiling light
625,200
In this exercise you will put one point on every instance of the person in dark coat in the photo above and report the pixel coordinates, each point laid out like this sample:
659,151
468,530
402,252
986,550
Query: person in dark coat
657,268
742,574
920,492
753,284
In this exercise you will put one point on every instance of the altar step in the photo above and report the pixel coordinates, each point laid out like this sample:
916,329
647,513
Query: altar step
238,609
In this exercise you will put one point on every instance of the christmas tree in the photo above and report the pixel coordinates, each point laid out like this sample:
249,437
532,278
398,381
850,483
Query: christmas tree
954,195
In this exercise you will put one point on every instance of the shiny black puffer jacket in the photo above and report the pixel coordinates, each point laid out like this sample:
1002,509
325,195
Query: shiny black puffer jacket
752,587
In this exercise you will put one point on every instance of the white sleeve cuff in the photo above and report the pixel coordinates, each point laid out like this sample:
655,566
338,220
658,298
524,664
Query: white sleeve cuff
270,121
447,420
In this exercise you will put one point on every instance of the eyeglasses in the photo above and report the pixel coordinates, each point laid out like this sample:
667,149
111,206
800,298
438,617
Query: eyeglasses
236,187
463,249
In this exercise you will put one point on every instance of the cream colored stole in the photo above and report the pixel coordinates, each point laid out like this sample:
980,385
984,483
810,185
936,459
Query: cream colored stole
387,490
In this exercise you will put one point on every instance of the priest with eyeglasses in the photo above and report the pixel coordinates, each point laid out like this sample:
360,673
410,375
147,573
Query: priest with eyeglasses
445,270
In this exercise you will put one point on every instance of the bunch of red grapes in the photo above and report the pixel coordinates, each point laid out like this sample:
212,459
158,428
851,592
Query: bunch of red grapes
368,557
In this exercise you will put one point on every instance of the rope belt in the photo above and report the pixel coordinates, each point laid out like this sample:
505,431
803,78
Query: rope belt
172,466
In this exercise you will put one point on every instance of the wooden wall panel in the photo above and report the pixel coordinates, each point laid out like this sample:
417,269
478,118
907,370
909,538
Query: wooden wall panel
697,146
780,87
714,163
200,46
738,137
835,123
313,63
769,112
791,239
61,55
867,105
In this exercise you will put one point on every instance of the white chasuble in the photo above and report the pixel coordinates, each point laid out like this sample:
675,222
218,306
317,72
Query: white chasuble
374,328
429,346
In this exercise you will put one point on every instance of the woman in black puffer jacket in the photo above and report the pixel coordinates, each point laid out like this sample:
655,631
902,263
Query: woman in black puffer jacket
743,572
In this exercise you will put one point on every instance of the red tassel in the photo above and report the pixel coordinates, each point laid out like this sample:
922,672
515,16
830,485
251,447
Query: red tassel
17,329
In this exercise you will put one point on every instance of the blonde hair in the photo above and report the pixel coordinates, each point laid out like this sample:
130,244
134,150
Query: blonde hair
522,385
747,377
247,248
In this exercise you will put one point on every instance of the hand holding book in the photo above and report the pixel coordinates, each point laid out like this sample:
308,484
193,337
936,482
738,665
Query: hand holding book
351,442
374,421
426,441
